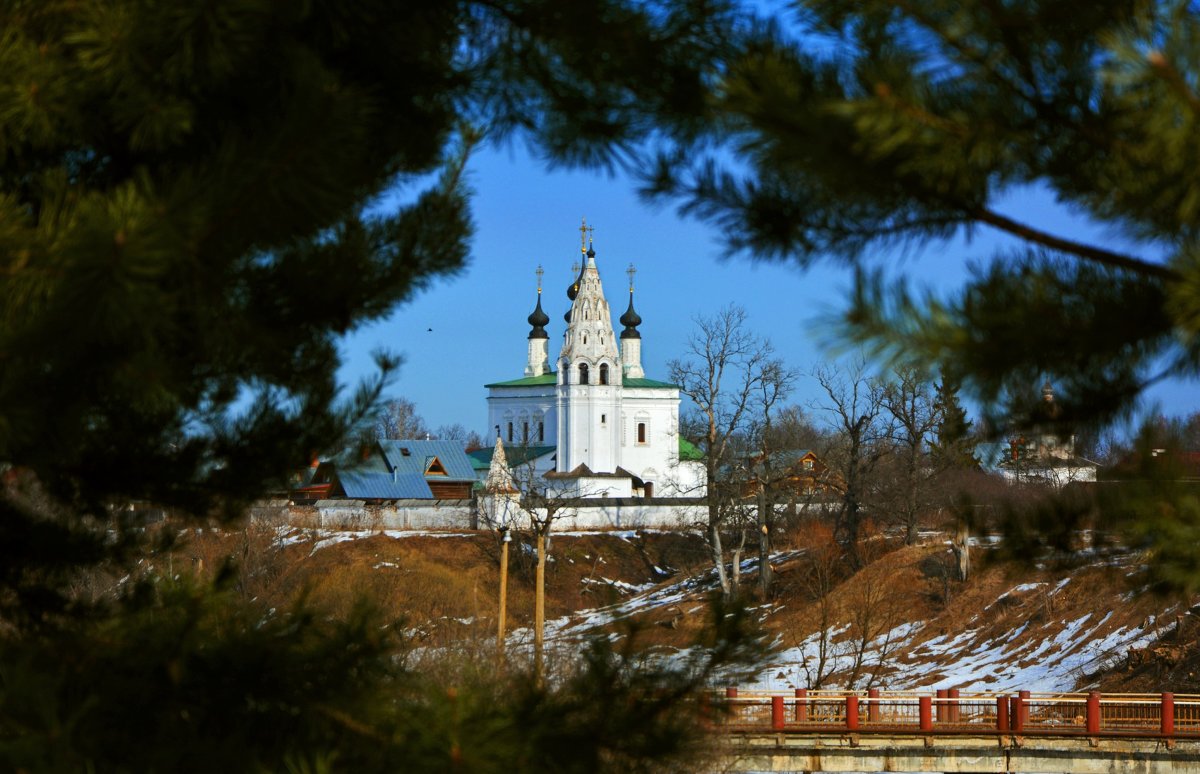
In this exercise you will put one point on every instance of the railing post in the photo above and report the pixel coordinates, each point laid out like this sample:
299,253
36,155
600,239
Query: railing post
941,705
925,713
852,712
952,712
1093,713
801,705
731,692
1016,713
873,705
1167,715
777,713
1024,708
1002,714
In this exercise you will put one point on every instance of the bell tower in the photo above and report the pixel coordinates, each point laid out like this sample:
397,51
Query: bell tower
589,373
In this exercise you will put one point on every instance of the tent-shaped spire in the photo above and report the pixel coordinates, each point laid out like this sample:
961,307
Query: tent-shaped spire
499,477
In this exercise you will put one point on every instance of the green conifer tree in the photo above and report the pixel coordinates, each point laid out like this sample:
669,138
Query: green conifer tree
187,225
878,125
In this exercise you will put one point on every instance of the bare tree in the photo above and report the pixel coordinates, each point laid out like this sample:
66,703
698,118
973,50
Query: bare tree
776,384
913,406
457,432
725,365
398,419
855,406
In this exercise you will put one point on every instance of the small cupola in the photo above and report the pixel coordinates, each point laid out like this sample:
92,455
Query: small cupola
538,320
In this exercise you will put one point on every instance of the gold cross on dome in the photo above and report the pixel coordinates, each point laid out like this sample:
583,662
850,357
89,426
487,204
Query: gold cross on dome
583,229
540,271
631,271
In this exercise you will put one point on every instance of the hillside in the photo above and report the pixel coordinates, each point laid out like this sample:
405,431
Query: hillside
1083,621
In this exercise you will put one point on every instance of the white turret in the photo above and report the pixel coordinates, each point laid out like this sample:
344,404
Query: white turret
631,339
539,341
499,503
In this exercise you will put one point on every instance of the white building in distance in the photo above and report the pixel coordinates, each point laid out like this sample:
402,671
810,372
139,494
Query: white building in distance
596,426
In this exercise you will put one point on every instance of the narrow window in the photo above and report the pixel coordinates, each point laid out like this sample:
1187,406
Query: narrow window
583,373
603,418
524,432
510,432
541,432
604,373
585,339
641,432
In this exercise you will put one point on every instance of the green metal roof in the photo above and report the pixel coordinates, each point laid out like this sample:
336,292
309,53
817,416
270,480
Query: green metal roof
688,450
652,383
481,459
552,378
528,381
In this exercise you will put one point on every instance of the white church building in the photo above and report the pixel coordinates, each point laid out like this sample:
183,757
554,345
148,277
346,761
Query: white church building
590,423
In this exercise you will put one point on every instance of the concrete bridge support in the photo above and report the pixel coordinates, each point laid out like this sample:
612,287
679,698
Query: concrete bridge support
965,754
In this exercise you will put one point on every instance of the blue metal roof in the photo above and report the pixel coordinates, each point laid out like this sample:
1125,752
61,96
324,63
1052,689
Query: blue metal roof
416,457
361,485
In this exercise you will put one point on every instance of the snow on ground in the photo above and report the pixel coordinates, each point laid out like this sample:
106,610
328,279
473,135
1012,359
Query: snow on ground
1051,655
1054,654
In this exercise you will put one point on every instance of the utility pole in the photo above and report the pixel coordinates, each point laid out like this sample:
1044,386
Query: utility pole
503,615
539,604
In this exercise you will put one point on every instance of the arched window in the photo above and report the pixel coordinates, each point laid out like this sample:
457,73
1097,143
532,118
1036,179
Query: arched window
510,432
641,432
541,431
583,373
524,432
604,373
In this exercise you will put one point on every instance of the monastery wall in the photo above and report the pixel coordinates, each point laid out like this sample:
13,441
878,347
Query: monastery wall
609,513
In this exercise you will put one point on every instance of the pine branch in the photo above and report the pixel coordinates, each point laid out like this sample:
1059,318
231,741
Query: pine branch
1087,252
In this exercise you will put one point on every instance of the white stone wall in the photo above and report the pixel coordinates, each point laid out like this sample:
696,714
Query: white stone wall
622,513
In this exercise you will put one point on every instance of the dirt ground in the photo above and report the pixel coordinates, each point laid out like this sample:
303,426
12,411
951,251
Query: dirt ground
444,586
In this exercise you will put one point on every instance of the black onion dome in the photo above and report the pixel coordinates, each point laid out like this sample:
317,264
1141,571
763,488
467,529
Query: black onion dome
539,319
573,288
631,320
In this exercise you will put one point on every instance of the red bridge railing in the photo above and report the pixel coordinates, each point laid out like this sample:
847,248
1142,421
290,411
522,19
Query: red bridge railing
1165,715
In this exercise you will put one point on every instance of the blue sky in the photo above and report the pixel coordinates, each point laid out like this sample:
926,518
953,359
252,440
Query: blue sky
527,215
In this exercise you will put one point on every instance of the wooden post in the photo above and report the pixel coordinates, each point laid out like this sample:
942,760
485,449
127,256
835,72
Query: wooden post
941,705
1167,715
777,719
925,712
873,705
539,607
801,705
1024,708
503,614
1093,713
953,712
731,692
852,712
1002,714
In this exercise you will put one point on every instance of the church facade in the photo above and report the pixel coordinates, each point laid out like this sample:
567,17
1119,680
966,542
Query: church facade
590,423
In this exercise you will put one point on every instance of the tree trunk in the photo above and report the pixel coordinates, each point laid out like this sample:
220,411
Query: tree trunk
910,504
962,549
764,542
736,583
718,554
